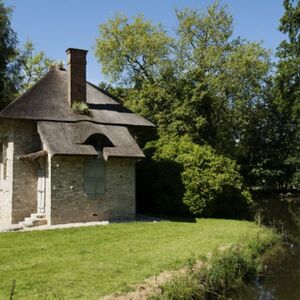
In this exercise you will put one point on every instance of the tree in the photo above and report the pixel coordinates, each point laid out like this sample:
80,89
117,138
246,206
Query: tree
9,68
287,87
211,181
225,77
19,68
132,52
33,65
203,74
206,92
288,75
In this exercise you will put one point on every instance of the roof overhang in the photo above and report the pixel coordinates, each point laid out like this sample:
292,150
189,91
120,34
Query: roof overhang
63,138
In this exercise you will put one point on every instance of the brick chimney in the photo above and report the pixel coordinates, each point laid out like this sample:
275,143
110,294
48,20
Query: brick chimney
76,75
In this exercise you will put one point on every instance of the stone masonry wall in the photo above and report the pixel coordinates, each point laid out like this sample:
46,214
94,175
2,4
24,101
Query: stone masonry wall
6,132
26,140
70,204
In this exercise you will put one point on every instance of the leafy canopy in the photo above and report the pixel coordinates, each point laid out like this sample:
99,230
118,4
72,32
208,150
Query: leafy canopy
9,67
133,51
34,64
206,175
202,74
211,95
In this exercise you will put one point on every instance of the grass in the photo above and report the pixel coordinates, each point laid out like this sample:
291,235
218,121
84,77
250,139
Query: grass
89,262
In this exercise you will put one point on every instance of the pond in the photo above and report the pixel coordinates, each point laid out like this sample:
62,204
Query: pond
281,280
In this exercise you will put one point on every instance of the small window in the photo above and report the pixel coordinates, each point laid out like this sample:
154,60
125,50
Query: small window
94,178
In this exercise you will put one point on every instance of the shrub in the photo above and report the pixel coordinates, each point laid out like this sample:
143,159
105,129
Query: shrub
212,183
183,287
81,108
227,270
224,271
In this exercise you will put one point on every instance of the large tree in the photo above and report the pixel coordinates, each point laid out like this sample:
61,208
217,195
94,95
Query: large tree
33,65
288,75
286,92
9,68
203,82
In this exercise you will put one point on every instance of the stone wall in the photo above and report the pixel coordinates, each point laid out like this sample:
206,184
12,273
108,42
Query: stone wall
6,132
70,204
24,198
66,201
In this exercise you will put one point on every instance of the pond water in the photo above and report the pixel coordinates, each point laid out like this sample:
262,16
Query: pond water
281,280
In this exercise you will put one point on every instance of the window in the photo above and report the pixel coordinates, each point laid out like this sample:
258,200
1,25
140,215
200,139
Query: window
94,178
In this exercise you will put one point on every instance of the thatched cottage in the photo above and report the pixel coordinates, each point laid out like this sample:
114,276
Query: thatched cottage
59,166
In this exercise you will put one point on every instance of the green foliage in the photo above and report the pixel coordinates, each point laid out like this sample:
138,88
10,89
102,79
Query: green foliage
132,51
287,81
81,108
184,287
202,83
227,270
189,77
9,68
224,271
19,68
231,268
33,65
208,178
220,92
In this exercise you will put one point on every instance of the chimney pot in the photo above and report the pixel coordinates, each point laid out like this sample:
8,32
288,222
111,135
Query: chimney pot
76,75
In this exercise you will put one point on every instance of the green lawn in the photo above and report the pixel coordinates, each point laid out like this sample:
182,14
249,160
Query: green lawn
88,262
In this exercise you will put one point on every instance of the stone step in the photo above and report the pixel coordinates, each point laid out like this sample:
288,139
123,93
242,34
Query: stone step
36,219
38,216
39,222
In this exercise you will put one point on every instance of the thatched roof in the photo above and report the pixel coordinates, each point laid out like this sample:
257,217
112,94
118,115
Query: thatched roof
69,139
34,155
63,131
47,100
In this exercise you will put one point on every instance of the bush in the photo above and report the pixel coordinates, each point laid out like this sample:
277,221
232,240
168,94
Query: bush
223,272
184,287
212,183
227,270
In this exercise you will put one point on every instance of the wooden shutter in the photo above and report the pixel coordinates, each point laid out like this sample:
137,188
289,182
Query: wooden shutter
94,179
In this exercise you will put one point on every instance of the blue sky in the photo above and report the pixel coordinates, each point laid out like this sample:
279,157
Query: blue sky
55,25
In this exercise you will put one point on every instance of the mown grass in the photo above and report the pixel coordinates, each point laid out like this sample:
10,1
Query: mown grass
89,262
